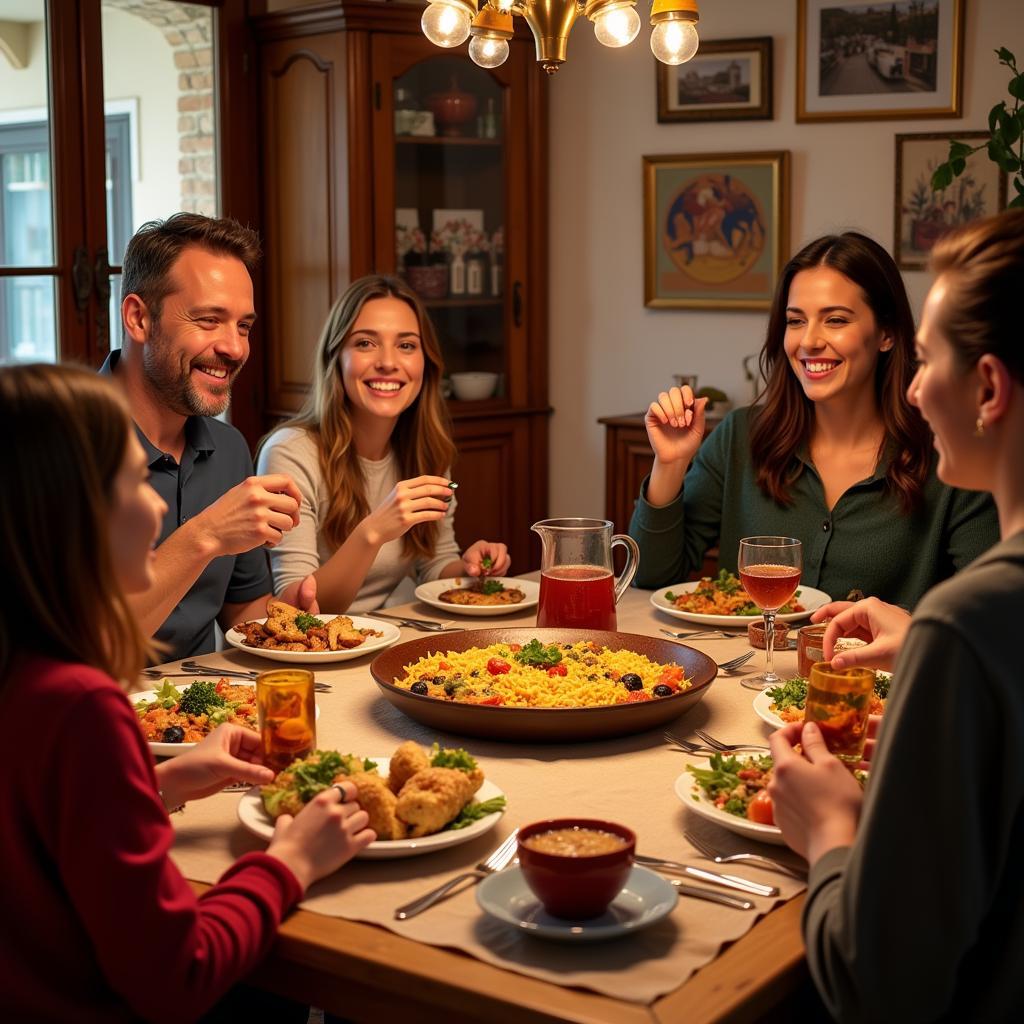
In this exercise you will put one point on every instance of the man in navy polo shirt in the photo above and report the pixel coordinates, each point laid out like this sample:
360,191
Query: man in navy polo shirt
187,313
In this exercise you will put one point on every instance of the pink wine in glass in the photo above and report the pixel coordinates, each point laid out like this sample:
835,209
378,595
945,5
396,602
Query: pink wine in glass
770,586
577,597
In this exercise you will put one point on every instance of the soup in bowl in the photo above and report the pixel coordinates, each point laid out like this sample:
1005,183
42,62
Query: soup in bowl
576,866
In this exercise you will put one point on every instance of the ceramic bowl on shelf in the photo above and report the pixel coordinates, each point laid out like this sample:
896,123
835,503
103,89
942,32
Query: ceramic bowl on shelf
471,387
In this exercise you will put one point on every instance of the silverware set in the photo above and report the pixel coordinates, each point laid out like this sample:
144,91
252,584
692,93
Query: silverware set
712,877
708,852
423,625
701,634
192,669
711,745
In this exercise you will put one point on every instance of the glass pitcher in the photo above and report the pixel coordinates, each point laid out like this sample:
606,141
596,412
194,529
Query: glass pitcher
577,587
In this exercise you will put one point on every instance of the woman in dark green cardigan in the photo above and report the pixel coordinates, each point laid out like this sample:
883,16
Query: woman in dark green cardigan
833,455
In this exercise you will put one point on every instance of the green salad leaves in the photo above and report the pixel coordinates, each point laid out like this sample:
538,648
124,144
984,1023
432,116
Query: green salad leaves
306,621
535,653
474,811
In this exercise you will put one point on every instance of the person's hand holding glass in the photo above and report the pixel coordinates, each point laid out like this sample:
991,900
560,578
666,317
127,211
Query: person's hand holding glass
769,570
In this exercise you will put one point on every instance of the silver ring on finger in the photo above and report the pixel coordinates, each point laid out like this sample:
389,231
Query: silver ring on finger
341,792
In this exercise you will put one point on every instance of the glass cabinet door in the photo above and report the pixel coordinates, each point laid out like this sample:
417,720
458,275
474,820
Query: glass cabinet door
448,167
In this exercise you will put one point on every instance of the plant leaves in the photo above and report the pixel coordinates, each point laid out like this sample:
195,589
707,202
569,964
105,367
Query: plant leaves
1018,201
942,178
993,115
1005,56
1016,87
958,165
1011,126
1010,164
959,151
1018,184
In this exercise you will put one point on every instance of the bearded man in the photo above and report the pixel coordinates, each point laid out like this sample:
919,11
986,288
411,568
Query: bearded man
187,315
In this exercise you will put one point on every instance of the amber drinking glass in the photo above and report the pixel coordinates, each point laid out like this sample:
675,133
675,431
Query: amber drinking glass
838,702
770,573
286,703
810,647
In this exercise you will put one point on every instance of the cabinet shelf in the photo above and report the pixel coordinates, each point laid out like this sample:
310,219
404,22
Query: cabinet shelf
444,140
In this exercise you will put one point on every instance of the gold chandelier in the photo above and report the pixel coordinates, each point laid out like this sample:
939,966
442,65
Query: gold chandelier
450,23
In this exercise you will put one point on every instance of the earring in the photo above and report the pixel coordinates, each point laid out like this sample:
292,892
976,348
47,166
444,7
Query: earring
979,427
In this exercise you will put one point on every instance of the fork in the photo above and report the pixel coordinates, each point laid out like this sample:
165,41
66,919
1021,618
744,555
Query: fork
190,663
696,748
704,634
423,625
196,672
719,745
734,663
499,859
710,853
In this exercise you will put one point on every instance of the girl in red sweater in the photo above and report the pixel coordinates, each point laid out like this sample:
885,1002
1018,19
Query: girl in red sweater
99,924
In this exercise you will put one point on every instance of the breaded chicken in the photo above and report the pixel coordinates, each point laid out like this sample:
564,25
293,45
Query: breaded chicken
379,803
281,621
431,798
342,635
406,761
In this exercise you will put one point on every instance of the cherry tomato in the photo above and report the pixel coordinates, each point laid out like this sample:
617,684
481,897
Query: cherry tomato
760,809
492,701
444,666
558,670
515,647
498,666
637,695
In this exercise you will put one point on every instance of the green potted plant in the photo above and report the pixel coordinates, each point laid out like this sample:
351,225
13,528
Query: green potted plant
718,401
1006,138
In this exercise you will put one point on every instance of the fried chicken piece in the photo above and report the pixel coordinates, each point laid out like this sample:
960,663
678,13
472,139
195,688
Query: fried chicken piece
342,635
281,621
274,644
406,761
253,633
431,798
379,803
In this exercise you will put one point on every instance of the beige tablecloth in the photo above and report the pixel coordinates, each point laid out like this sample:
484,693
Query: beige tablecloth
629,780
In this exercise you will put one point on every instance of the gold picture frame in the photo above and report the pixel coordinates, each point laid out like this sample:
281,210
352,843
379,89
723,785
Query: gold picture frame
921,216
858,61
716,229
727,80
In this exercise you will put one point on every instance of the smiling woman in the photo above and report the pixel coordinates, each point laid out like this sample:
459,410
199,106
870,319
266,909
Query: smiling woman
371,453
834,455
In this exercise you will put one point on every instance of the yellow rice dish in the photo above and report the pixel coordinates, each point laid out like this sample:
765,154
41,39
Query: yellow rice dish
580,675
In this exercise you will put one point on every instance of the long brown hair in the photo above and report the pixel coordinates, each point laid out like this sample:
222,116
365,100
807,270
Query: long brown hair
422,437
782,425
983,263
66,431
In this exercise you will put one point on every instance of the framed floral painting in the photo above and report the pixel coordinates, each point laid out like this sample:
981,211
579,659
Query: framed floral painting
921,217
860,61
716,229
726,80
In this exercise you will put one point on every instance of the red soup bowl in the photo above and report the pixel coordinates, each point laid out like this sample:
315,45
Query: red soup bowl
575,883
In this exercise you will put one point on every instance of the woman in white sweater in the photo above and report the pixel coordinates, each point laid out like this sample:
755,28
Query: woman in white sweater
371,453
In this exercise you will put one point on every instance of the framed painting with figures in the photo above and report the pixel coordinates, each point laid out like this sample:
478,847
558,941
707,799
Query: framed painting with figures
861,61
727,80
921,216
716,229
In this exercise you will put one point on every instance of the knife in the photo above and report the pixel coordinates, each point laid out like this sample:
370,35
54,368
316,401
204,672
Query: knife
713,897
714,877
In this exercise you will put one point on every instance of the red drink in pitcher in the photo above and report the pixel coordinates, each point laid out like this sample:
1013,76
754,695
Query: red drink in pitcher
577,597
770,586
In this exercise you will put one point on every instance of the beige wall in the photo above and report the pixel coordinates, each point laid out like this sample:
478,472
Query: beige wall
609,354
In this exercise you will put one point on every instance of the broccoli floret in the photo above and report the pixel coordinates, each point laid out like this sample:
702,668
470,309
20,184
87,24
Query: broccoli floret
199,697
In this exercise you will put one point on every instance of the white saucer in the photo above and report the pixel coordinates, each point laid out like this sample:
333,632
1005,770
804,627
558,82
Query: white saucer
430,593
645,898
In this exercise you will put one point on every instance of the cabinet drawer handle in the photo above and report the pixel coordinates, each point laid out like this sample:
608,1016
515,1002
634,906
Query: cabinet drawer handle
517,304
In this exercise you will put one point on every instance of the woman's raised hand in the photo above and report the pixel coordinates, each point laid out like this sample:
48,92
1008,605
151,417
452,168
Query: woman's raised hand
423,499
675,425
328,832
475,559
882,625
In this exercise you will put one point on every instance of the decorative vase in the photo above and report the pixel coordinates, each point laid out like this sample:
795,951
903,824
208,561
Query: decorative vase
452,110
429,282
475,273
457,281
495,276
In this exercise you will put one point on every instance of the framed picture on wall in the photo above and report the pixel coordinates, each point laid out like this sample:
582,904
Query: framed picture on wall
727,80
921,217
859,61
716,229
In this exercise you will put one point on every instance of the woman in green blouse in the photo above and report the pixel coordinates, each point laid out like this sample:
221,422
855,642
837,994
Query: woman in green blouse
833,455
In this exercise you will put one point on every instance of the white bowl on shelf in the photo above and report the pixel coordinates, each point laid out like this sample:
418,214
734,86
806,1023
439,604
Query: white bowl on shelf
471,387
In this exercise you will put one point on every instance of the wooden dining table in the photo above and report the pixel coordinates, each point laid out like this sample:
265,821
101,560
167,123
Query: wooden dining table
365,971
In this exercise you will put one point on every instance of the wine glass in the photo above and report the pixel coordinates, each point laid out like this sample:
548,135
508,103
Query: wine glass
770,573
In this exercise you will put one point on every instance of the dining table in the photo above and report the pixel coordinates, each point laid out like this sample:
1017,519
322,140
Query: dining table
342,948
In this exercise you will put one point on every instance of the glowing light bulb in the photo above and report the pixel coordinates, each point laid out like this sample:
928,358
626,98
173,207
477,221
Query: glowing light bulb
504,5
444,24
617,26
674,42
488,52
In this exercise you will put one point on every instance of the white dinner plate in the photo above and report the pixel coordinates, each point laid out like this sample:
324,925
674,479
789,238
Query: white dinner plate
254,817
430,593
808,597
763,710
692,796
374,643
645,898
174,749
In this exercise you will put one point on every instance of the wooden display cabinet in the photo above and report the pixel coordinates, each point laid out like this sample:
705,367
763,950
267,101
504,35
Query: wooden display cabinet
344,164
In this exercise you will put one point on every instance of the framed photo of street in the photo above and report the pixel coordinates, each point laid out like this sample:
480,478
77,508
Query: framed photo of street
716,229
921,216
726,80
859,61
